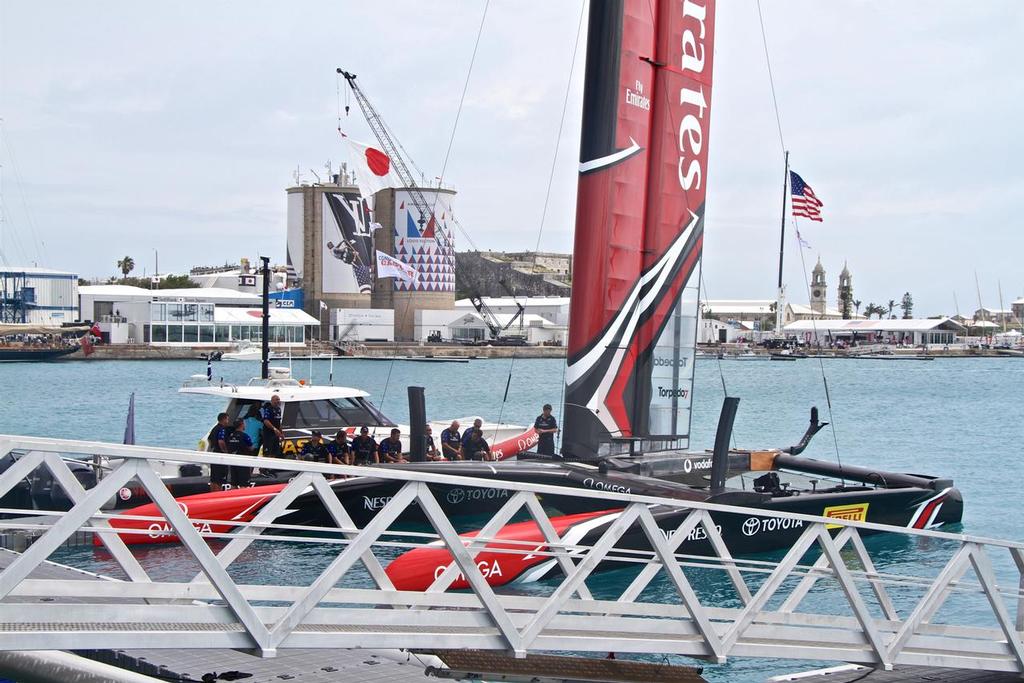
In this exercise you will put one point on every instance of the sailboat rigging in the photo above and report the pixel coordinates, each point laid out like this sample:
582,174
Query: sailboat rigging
629,377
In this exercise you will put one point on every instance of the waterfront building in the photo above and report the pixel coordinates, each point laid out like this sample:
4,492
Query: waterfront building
911,332
201,317
38,296
1000,316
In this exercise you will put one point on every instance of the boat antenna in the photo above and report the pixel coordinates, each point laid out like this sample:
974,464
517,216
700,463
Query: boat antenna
265,358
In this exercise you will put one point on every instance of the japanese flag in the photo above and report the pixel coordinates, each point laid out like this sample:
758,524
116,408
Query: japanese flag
374,170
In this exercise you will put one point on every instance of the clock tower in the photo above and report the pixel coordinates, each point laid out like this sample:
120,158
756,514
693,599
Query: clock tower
818,288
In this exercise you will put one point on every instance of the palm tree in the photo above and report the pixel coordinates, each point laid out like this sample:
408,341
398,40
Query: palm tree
127,265
856,305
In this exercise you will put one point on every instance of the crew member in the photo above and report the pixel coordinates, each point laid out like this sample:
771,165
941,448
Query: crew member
339,449
468,434
390,449
476,448
239,443
315,450
254,426
364,448
429,449
451,442
546,427
270,414
218,443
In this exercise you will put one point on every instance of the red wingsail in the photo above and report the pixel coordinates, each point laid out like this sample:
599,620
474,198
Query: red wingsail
639,224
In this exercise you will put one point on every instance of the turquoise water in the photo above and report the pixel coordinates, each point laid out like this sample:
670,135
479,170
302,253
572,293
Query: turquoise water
962,418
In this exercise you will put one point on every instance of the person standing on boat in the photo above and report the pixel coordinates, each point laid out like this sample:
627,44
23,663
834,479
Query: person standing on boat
254,426
239,443
364,448
476,448
218,443
546,427
339,448
270,414
390,449
451,442
468,434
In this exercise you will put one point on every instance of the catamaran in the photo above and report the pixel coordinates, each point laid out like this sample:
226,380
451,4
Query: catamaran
640,224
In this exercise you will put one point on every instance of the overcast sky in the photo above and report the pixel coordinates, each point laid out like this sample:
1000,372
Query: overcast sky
133,127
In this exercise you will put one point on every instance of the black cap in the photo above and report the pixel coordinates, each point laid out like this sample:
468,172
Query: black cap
364,430
316,433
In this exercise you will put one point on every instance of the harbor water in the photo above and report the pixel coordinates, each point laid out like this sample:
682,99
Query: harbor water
960,418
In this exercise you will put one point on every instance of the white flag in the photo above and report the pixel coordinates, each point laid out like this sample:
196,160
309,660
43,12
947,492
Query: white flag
323,306
389,266
374,169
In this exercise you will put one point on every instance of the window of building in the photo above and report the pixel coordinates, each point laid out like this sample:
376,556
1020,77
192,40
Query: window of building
206,334
206,313
174,333
157,312
191,333
223,333
159,333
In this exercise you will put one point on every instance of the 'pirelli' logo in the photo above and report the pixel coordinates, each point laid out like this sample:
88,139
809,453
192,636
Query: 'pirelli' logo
857,512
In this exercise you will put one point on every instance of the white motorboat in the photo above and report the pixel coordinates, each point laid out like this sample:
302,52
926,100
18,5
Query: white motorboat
243,351
306,408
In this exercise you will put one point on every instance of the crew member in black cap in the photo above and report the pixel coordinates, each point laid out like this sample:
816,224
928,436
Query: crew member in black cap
315,450
364,448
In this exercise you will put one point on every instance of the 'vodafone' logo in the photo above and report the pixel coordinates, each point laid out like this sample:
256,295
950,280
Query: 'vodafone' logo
689,465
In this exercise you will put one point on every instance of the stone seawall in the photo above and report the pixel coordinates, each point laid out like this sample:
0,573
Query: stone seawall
140,352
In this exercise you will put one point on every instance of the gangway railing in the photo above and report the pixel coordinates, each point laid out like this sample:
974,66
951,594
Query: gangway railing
858,612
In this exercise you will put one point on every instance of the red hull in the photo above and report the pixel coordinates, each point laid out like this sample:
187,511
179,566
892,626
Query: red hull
417,569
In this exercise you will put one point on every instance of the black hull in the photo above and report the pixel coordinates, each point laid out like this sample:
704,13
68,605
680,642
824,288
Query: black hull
30,355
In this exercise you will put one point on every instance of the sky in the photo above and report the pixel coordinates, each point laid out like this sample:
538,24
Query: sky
174,128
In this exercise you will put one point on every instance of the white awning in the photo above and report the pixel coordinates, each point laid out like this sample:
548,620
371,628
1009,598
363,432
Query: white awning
253,316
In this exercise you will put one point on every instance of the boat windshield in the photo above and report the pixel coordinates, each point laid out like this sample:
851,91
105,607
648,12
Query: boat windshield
320,414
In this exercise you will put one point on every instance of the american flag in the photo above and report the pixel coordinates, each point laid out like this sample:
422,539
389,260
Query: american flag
805,203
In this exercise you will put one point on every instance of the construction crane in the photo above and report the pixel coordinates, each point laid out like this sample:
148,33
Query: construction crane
393,149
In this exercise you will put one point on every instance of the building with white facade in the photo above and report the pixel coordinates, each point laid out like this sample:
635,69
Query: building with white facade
38,296
915,332
187,317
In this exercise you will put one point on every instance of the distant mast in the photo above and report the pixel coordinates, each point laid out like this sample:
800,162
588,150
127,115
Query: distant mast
639,226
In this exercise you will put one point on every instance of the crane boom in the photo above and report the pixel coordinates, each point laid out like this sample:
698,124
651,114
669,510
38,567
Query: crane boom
392,149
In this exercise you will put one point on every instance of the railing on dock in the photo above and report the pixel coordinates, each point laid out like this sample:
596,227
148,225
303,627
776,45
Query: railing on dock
832,606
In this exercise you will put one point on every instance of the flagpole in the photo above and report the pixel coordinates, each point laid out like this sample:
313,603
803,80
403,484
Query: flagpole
781,294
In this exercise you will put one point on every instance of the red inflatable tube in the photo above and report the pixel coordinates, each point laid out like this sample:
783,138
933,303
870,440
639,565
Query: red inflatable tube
515,445
234,505
417,569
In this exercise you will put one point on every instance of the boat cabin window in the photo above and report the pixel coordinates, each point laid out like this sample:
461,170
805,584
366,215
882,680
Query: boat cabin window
324,414
359,411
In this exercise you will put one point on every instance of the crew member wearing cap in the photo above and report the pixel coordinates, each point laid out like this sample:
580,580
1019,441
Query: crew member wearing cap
315,450
364,448
217,441
270,413
390,449
239,443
